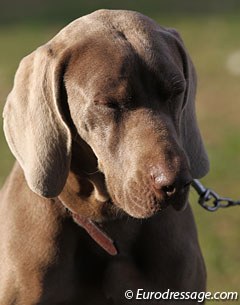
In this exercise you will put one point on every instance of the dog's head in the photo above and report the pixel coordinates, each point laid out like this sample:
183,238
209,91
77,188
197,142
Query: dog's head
121,88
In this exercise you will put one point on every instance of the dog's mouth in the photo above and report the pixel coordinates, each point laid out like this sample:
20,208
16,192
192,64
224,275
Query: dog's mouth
149,205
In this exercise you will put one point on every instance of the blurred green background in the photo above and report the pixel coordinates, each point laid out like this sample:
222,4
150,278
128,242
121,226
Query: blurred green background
211,31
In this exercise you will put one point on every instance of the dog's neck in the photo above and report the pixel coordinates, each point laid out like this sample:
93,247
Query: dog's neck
96,234
94,230
87,210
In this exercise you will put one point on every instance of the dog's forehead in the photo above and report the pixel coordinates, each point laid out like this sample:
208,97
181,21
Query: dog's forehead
101,62
111,64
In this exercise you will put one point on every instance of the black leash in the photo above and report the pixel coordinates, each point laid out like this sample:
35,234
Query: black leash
210,200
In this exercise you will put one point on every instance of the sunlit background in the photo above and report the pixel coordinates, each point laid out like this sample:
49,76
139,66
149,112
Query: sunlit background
211,31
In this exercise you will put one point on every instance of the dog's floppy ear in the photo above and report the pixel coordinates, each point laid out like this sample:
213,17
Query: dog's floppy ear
34,124
189,132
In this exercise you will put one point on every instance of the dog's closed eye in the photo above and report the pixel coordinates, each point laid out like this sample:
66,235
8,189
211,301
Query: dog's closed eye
114,103
110,103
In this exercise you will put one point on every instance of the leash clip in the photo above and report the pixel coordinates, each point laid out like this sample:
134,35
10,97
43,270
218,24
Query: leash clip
210,200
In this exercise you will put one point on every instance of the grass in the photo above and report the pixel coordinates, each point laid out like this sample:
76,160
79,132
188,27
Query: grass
210,40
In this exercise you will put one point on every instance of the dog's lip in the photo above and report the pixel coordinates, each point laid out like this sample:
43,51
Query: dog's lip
178,207
182,198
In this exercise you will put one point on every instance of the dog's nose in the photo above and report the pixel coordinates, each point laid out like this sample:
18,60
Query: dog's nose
170,186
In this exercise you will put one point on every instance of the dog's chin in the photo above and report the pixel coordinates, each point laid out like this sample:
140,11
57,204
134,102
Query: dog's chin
142,211
149,212
141,215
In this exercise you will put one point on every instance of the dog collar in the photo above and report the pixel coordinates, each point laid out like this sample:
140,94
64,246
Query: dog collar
96,233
